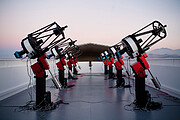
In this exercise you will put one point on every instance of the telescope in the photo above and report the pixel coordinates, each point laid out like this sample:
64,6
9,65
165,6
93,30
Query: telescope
105,61
107,58
60,51
135,46
34,44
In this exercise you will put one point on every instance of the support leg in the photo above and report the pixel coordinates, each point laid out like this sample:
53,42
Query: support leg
69,75
74,70
141,97
105,70
62,80
40,91
110,72
120,80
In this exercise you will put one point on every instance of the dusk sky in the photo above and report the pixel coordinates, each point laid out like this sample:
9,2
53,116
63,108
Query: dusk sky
98,21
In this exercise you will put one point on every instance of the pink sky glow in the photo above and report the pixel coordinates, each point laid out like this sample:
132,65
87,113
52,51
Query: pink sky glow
98,21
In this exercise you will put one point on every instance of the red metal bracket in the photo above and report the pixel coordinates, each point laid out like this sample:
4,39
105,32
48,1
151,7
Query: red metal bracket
139,69
37,70
118,65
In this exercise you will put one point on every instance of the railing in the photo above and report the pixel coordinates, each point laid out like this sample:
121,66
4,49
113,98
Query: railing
14,77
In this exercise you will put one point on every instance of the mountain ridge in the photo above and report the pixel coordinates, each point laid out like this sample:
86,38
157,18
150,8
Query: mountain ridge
164,53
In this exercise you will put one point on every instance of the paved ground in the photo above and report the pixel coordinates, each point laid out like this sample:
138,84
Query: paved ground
91,99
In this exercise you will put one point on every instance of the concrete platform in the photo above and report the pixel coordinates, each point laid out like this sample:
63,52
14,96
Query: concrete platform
91,99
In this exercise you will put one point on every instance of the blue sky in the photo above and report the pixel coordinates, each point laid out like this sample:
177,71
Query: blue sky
98,21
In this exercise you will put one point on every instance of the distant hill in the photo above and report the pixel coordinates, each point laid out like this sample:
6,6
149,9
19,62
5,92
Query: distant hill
91,51
164,53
